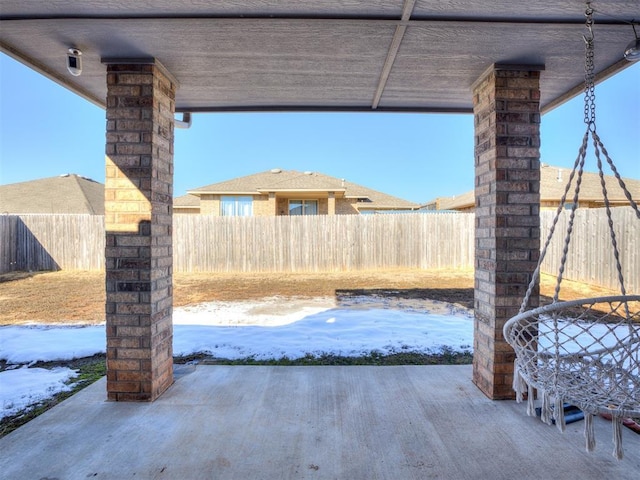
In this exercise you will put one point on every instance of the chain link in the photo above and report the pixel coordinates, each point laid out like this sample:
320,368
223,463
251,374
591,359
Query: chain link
589,75
590,121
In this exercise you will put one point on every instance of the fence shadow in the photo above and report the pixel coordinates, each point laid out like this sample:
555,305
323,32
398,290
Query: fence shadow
460,296
20,249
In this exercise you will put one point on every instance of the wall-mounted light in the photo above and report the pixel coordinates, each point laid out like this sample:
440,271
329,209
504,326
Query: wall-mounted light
74,61
632,52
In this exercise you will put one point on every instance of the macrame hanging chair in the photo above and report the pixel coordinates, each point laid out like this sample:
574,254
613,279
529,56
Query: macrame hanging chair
583,352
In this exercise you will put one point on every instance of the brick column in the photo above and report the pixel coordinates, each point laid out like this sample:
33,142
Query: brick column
273,207
507,230
331,206
138,221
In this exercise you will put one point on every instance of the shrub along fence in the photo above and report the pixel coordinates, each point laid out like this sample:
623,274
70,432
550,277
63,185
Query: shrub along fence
322,243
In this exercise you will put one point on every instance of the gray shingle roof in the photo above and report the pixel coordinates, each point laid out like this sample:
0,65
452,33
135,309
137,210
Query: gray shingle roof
68,193
186,201
294,181
553,181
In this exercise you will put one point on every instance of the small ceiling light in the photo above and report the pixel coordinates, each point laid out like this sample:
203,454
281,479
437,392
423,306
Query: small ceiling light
632,52
74,61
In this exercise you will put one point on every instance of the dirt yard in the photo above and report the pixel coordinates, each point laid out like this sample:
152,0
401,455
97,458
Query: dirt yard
74,297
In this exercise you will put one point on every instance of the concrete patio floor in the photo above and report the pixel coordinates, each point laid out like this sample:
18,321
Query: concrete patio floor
237,422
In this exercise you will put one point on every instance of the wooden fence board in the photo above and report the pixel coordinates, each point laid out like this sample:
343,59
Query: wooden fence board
51,242
322,243
591,258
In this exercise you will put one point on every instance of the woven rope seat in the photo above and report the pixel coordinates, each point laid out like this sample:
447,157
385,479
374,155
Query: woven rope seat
585,352
582,352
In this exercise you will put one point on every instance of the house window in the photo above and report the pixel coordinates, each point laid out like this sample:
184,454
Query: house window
303,207
236,206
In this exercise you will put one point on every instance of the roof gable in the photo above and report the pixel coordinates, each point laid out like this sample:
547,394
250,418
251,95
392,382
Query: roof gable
186,201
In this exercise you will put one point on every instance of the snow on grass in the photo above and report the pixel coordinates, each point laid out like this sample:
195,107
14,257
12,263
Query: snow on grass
270,329
44,343
338,331
25,387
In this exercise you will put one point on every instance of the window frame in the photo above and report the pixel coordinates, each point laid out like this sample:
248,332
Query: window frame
240,203
303,204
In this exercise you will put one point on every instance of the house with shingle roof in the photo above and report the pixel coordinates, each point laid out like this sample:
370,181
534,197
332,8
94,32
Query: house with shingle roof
287,192
553,181
68,193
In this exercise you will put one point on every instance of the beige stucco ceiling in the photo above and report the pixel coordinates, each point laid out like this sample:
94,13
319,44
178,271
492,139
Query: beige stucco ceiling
387,55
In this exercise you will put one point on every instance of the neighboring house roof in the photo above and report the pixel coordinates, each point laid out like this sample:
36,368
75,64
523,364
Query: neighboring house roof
186,201
69,193
553,181
292,181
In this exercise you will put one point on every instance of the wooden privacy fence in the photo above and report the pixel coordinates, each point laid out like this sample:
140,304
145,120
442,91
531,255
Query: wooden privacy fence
51,242
252,244
323,243
591,259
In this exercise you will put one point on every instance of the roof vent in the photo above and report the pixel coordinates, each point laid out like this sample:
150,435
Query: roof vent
276,170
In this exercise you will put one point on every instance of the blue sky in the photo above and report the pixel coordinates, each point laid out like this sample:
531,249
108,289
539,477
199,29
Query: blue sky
47,131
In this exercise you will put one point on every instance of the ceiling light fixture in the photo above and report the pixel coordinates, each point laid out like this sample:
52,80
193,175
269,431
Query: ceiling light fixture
632,52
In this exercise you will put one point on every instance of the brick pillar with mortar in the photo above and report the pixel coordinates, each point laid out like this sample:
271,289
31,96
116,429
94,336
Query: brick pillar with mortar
138,223
506,108
331,204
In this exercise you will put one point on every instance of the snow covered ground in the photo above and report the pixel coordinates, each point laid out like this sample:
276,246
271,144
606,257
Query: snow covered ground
271,328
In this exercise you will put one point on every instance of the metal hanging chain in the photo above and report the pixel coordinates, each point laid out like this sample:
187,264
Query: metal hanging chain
590,121
589,75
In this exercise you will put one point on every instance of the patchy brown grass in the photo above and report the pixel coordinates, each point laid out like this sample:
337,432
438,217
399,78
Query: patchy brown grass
78,296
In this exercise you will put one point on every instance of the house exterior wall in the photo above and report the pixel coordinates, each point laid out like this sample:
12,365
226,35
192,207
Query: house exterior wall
346,206
266,205
263,206
186,210
210,204
282,206
323,206
331,204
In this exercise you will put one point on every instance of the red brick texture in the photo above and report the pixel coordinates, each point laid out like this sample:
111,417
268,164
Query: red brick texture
138,220
507,231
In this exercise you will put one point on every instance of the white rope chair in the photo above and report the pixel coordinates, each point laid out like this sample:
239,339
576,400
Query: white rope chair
584,352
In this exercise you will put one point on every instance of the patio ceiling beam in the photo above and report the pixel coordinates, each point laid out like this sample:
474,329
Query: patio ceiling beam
321,109
393,52
382,20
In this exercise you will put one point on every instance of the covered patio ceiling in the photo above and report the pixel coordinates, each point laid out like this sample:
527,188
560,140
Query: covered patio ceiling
335,55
